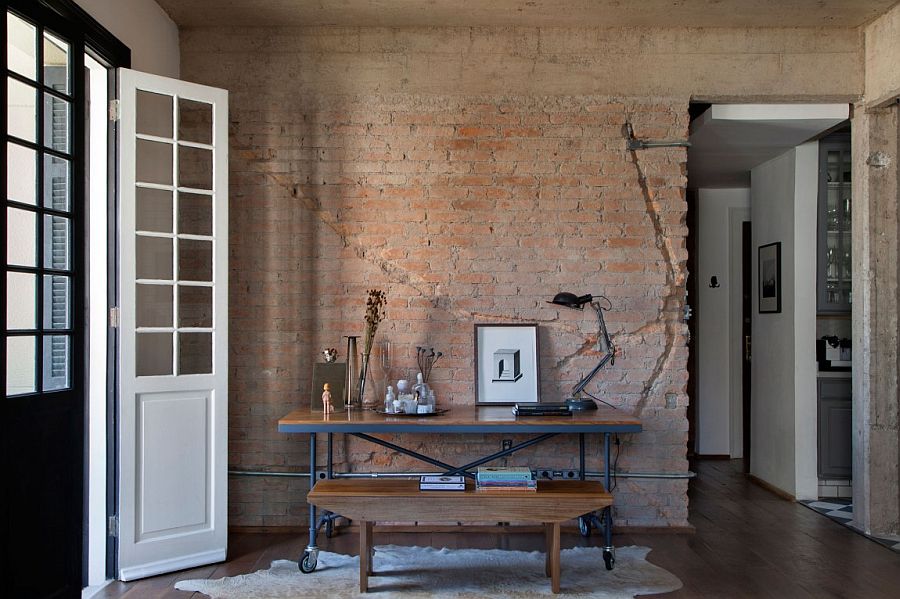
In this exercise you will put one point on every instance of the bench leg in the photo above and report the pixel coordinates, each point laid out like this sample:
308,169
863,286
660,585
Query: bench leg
548,530
553,555
365,555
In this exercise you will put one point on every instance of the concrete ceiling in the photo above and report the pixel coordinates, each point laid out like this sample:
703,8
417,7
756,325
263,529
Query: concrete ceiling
528,13
730,139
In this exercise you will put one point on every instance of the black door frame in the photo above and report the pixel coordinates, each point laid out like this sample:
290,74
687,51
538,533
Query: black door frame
85,35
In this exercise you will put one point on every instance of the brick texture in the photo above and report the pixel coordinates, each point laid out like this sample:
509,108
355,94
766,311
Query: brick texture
464,209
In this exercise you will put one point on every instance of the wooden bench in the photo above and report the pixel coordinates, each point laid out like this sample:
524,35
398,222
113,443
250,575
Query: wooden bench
368,501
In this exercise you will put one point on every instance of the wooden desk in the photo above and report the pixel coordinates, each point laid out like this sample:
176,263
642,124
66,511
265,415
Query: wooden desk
369,501
459,420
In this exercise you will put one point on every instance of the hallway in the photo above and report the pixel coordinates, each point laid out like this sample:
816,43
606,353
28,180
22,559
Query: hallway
748,543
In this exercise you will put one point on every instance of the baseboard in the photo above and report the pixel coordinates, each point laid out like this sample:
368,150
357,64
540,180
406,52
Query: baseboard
771,488
464,528
712,456
93,591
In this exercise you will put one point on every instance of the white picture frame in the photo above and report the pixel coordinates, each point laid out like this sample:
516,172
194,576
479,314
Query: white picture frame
507,360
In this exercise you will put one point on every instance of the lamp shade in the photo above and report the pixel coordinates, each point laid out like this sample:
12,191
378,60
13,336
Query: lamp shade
570,300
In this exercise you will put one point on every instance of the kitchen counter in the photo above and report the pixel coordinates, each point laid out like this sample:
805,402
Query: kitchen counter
834,374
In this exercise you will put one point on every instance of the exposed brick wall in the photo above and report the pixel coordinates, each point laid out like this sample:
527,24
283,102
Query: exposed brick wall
463,209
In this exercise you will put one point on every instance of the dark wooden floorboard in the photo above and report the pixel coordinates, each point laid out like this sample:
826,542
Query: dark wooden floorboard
749,543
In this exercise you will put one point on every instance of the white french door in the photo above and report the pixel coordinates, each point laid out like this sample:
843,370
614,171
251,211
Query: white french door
173,324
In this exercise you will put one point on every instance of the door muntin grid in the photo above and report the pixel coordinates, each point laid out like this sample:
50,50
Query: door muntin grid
174,241
38,267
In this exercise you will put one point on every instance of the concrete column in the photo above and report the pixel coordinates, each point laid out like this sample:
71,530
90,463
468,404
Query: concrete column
876,314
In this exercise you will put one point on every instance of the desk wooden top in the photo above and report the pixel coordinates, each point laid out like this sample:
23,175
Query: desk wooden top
459,419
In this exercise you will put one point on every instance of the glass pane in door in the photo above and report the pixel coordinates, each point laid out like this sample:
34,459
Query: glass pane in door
153,210
195,167
21,370
155,307
21,237
154,354
56,183
21,46
154,114
194,353
194,260
57,301
21,174
195,307
56,63
195,121
195,214
21,110
154,162
56,358
56,123
21,301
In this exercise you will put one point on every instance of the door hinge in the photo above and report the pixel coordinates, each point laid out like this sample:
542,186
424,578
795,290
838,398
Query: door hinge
114,110
114,317
112,526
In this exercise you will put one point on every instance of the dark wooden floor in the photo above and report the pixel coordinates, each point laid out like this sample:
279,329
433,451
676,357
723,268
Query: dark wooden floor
748,543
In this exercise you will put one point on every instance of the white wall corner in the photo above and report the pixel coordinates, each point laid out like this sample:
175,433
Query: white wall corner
805,251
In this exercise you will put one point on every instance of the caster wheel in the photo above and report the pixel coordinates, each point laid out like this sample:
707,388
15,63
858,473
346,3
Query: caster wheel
584,526
329,529
308,562
609,559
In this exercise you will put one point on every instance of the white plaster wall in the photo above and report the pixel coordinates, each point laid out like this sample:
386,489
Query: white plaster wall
805,367
145,28
718,331
772,367
783,409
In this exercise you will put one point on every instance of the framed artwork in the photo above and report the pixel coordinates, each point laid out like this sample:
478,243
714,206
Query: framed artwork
770,278
506,364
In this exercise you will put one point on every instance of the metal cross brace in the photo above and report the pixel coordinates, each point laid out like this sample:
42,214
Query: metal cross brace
450,470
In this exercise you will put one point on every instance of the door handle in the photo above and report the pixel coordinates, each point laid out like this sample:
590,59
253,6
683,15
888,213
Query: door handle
747,347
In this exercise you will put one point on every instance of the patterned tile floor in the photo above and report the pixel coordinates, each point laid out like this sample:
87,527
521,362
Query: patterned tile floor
841,511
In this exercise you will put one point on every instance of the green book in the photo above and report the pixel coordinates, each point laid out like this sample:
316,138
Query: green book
493,473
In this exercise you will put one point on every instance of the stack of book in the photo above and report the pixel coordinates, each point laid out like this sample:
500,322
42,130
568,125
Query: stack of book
442,483
505,479
542,409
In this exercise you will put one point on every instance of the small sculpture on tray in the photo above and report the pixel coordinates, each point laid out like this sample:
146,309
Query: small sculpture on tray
326,399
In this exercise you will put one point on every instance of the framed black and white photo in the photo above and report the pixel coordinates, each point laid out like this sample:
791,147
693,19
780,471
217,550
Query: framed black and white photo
506,364
770,277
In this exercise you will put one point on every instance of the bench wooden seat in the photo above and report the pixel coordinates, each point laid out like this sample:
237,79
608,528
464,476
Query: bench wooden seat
369,501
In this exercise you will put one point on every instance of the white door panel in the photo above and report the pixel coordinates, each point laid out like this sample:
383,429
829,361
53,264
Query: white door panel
174,336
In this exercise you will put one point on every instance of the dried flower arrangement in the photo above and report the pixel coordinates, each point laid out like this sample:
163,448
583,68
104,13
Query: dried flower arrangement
426,358
374,315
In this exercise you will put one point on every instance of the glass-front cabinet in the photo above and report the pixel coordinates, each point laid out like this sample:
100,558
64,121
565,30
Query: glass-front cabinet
834,293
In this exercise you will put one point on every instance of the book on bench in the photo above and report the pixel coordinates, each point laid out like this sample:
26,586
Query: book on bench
442,483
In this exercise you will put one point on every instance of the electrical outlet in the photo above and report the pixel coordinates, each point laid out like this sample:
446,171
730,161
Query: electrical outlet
506,444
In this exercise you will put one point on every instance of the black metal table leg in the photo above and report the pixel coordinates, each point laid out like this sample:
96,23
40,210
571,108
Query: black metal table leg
307,562
609,552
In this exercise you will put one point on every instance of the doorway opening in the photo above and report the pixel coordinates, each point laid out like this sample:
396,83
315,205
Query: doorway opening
757,393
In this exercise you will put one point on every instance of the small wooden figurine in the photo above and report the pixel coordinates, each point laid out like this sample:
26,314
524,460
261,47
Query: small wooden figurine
326,399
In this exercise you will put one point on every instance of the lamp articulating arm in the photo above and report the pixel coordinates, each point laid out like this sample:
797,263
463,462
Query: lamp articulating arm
606,346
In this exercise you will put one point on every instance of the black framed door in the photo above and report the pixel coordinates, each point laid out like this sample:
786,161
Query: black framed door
43,350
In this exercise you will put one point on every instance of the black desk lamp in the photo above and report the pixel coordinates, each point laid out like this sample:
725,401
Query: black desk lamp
604,344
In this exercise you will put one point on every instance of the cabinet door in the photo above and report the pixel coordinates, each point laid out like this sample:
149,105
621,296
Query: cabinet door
834,294
835,429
